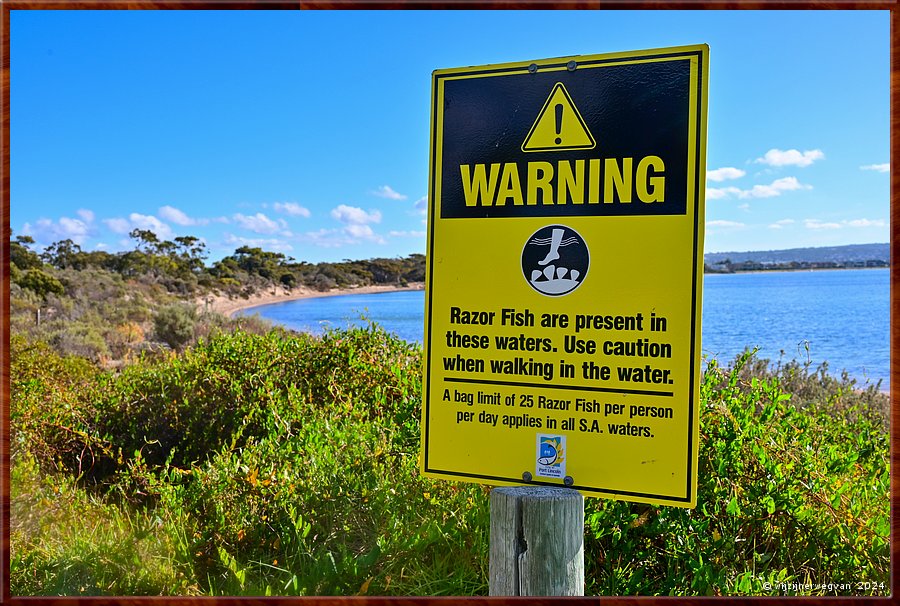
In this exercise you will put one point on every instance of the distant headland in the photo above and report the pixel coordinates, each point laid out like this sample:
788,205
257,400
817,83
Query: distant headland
855,256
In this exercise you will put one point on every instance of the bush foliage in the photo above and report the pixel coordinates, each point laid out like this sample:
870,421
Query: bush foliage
283,464
79,301
787,496
174,324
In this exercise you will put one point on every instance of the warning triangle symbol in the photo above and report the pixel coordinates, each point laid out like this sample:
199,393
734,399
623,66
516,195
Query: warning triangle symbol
559,126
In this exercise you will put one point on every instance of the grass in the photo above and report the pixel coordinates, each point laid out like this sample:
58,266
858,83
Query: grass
64,541
281,464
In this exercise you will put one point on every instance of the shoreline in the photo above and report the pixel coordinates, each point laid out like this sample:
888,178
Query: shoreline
228,306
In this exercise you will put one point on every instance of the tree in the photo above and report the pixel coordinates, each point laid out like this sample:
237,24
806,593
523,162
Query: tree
254,260
158,255
288,280
146,239
415,264
192,252
386,270
101,259
40,282
22,256
65,254
131,263
225,268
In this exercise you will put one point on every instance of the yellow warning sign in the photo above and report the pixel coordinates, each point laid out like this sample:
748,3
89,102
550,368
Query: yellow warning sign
563,290
559,126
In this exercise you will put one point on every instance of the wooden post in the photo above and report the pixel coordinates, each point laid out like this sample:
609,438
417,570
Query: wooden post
537,542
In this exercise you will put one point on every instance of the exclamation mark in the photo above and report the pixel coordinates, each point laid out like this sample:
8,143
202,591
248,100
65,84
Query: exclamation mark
559,112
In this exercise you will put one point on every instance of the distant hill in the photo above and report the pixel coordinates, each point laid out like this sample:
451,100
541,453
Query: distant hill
822,254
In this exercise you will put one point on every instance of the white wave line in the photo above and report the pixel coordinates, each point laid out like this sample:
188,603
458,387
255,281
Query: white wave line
545,241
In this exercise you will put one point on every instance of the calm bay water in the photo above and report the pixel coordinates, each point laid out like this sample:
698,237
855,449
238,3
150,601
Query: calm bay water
841,315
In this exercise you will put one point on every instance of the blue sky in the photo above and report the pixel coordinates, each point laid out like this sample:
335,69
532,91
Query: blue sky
307,133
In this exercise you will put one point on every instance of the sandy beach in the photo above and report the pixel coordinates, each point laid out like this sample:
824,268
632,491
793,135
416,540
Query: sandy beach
228,306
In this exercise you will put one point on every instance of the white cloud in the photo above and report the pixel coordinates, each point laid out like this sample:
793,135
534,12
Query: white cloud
407,234
86,215
172,214
775,188
781,223
178,217
329,238
354,215
73,227
865,223
852,223
879,168
724,174
356,228
118,225
718,193
47,230
725,224
262,224
757,191
271,244
359,233
101,246
385,191
422,205
138,221
791,157
816,224
326,238
291,208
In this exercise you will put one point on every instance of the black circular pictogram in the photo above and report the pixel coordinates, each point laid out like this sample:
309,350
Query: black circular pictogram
555,260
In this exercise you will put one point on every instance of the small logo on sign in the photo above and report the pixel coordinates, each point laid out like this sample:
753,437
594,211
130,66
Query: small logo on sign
555,260
551,456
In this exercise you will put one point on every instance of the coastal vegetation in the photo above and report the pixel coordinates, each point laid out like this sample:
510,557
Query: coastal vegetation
729,267
851,256
161,449
112,307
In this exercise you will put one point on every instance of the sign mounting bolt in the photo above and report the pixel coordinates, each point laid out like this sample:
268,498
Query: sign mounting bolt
526,475
532,68
568,480
571,65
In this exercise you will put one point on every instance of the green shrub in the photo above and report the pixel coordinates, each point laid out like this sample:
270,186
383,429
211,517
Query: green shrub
786,494
818,389
52,408
218,393
78,338
253,324
40,282
288,464
174,324
305,509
